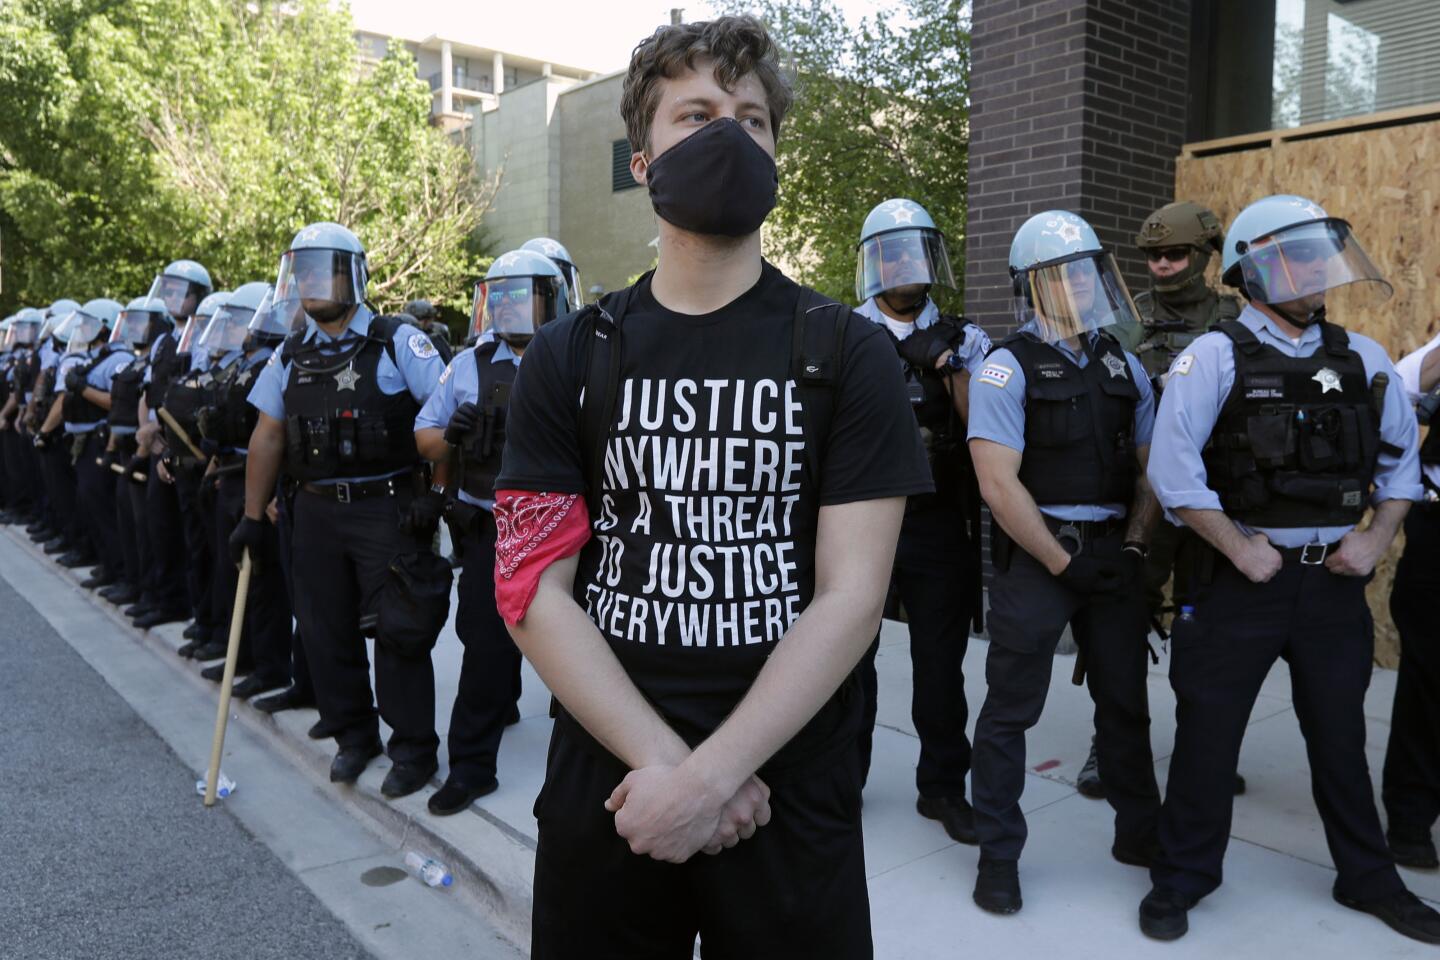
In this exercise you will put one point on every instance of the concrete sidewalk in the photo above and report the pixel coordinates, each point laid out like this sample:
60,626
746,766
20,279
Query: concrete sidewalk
1078,901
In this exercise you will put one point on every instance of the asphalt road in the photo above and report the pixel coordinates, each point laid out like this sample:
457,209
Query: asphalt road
105,850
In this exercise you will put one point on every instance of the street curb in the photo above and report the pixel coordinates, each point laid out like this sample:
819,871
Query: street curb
493,862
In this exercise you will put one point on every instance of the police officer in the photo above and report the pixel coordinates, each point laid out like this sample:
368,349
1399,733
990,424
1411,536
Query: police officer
901,256
20,466
427,318
224,421
185,288
1276,433
1060,421
142,320
573,294
337,404
462,431
57,465
83,382
1411,780
1178,241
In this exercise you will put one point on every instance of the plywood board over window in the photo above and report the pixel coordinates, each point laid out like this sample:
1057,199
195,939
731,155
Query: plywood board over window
1385,181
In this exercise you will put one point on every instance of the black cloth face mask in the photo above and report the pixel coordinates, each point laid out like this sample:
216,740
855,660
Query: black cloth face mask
718,180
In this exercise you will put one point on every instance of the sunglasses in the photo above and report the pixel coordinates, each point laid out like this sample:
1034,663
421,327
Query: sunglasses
517,295
1172,254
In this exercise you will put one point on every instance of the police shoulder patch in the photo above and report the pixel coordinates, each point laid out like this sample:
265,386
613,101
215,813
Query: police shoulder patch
996,374
1182,365
421,346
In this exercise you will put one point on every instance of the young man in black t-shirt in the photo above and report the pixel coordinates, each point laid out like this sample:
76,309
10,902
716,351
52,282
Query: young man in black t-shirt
701,629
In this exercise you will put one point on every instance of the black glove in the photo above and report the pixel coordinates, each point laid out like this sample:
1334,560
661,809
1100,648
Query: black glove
247,535
923,347
1092,575
462,423
75,380
423,517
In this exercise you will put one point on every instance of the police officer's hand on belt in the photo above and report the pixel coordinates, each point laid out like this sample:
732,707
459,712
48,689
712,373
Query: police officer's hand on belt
422,519
462,423
247,535
1093,575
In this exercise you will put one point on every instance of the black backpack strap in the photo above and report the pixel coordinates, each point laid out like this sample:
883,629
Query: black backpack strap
1240,335
815,356
601,388
1335,340
383,328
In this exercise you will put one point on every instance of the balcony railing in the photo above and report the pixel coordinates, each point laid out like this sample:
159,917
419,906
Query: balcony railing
460,80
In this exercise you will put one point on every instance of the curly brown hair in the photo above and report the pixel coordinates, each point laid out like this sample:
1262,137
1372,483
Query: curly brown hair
737,46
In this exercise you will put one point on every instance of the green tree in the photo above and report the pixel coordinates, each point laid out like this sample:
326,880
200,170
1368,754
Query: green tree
140,132
880,111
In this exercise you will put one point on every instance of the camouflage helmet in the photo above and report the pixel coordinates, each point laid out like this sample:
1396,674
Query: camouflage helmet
1182,224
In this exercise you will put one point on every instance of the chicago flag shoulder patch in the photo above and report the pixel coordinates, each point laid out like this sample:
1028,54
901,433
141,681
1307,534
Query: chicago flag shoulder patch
995,374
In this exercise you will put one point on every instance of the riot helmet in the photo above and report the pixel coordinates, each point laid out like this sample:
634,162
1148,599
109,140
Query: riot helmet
1063,281
84,327
273,322
141,322
324,271
26,325
229,326
520,293
556,253
182,286
423,311
195,325
901,255
1287,252
1176,231
54,315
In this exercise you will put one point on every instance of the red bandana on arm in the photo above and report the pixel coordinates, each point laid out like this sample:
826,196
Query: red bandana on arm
532,531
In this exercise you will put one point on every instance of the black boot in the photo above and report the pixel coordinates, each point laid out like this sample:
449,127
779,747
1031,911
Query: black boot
954,814
1088,783
405,778
350,762
1402,912
1412,846
997,887
1163,914
458,793
290,699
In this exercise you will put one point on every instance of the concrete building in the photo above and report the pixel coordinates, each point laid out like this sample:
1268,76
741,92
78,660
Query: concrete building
552,134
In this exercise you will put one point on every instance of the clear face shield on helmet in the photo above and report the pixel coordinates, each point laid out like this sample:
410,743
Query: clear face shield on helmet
574,293
136,328
275,320
1077,295
1298,264
226,331
325,282
900,259
52,325
514,307
180,296
7,337
188,333
79,331
26,333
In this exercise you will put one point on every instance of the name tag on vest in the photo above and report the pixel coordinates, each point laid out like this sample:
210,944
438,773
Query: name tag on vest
1260,386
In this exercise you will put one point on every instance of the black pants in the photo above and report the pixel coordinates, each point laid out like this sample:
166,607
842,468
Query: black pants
19,488
127,528
265,640
197,530
794,890
341,555
285,540
58,464
95,500
1411,779
490,669
162,519
1319,623
1029,609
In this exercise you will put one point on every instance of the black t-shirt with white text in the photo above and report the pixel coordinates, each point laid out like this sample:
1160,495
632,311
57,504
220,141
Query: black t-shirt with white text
703,550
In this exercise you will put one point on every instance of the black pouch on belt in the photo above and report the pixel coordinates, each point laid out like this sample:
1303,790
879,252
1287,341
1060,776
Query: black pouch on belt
414,603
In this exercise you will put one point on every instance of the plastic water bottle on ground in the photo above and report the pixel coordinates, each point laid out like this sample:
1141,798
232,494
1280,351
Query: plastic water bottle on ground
428,870
224,786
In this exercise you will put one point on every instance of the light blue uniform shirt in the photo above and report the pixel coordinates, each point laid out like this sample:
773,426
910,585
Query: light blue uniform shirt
997,413
460,383
49,356
1409,370
420,367
972,351
100,377
1195,390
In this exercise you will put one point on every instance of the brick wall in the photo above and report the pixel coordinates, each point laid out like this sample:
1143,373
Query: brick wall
1078,104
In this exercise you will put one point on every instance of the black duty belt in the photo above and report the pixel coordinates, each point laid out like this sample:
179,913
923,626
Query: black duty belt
348,491
1310,555
1081,532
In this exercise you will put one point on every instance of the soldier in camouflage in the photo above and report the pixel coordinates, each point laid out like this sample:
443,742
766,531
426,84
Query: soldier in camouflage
1177,241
